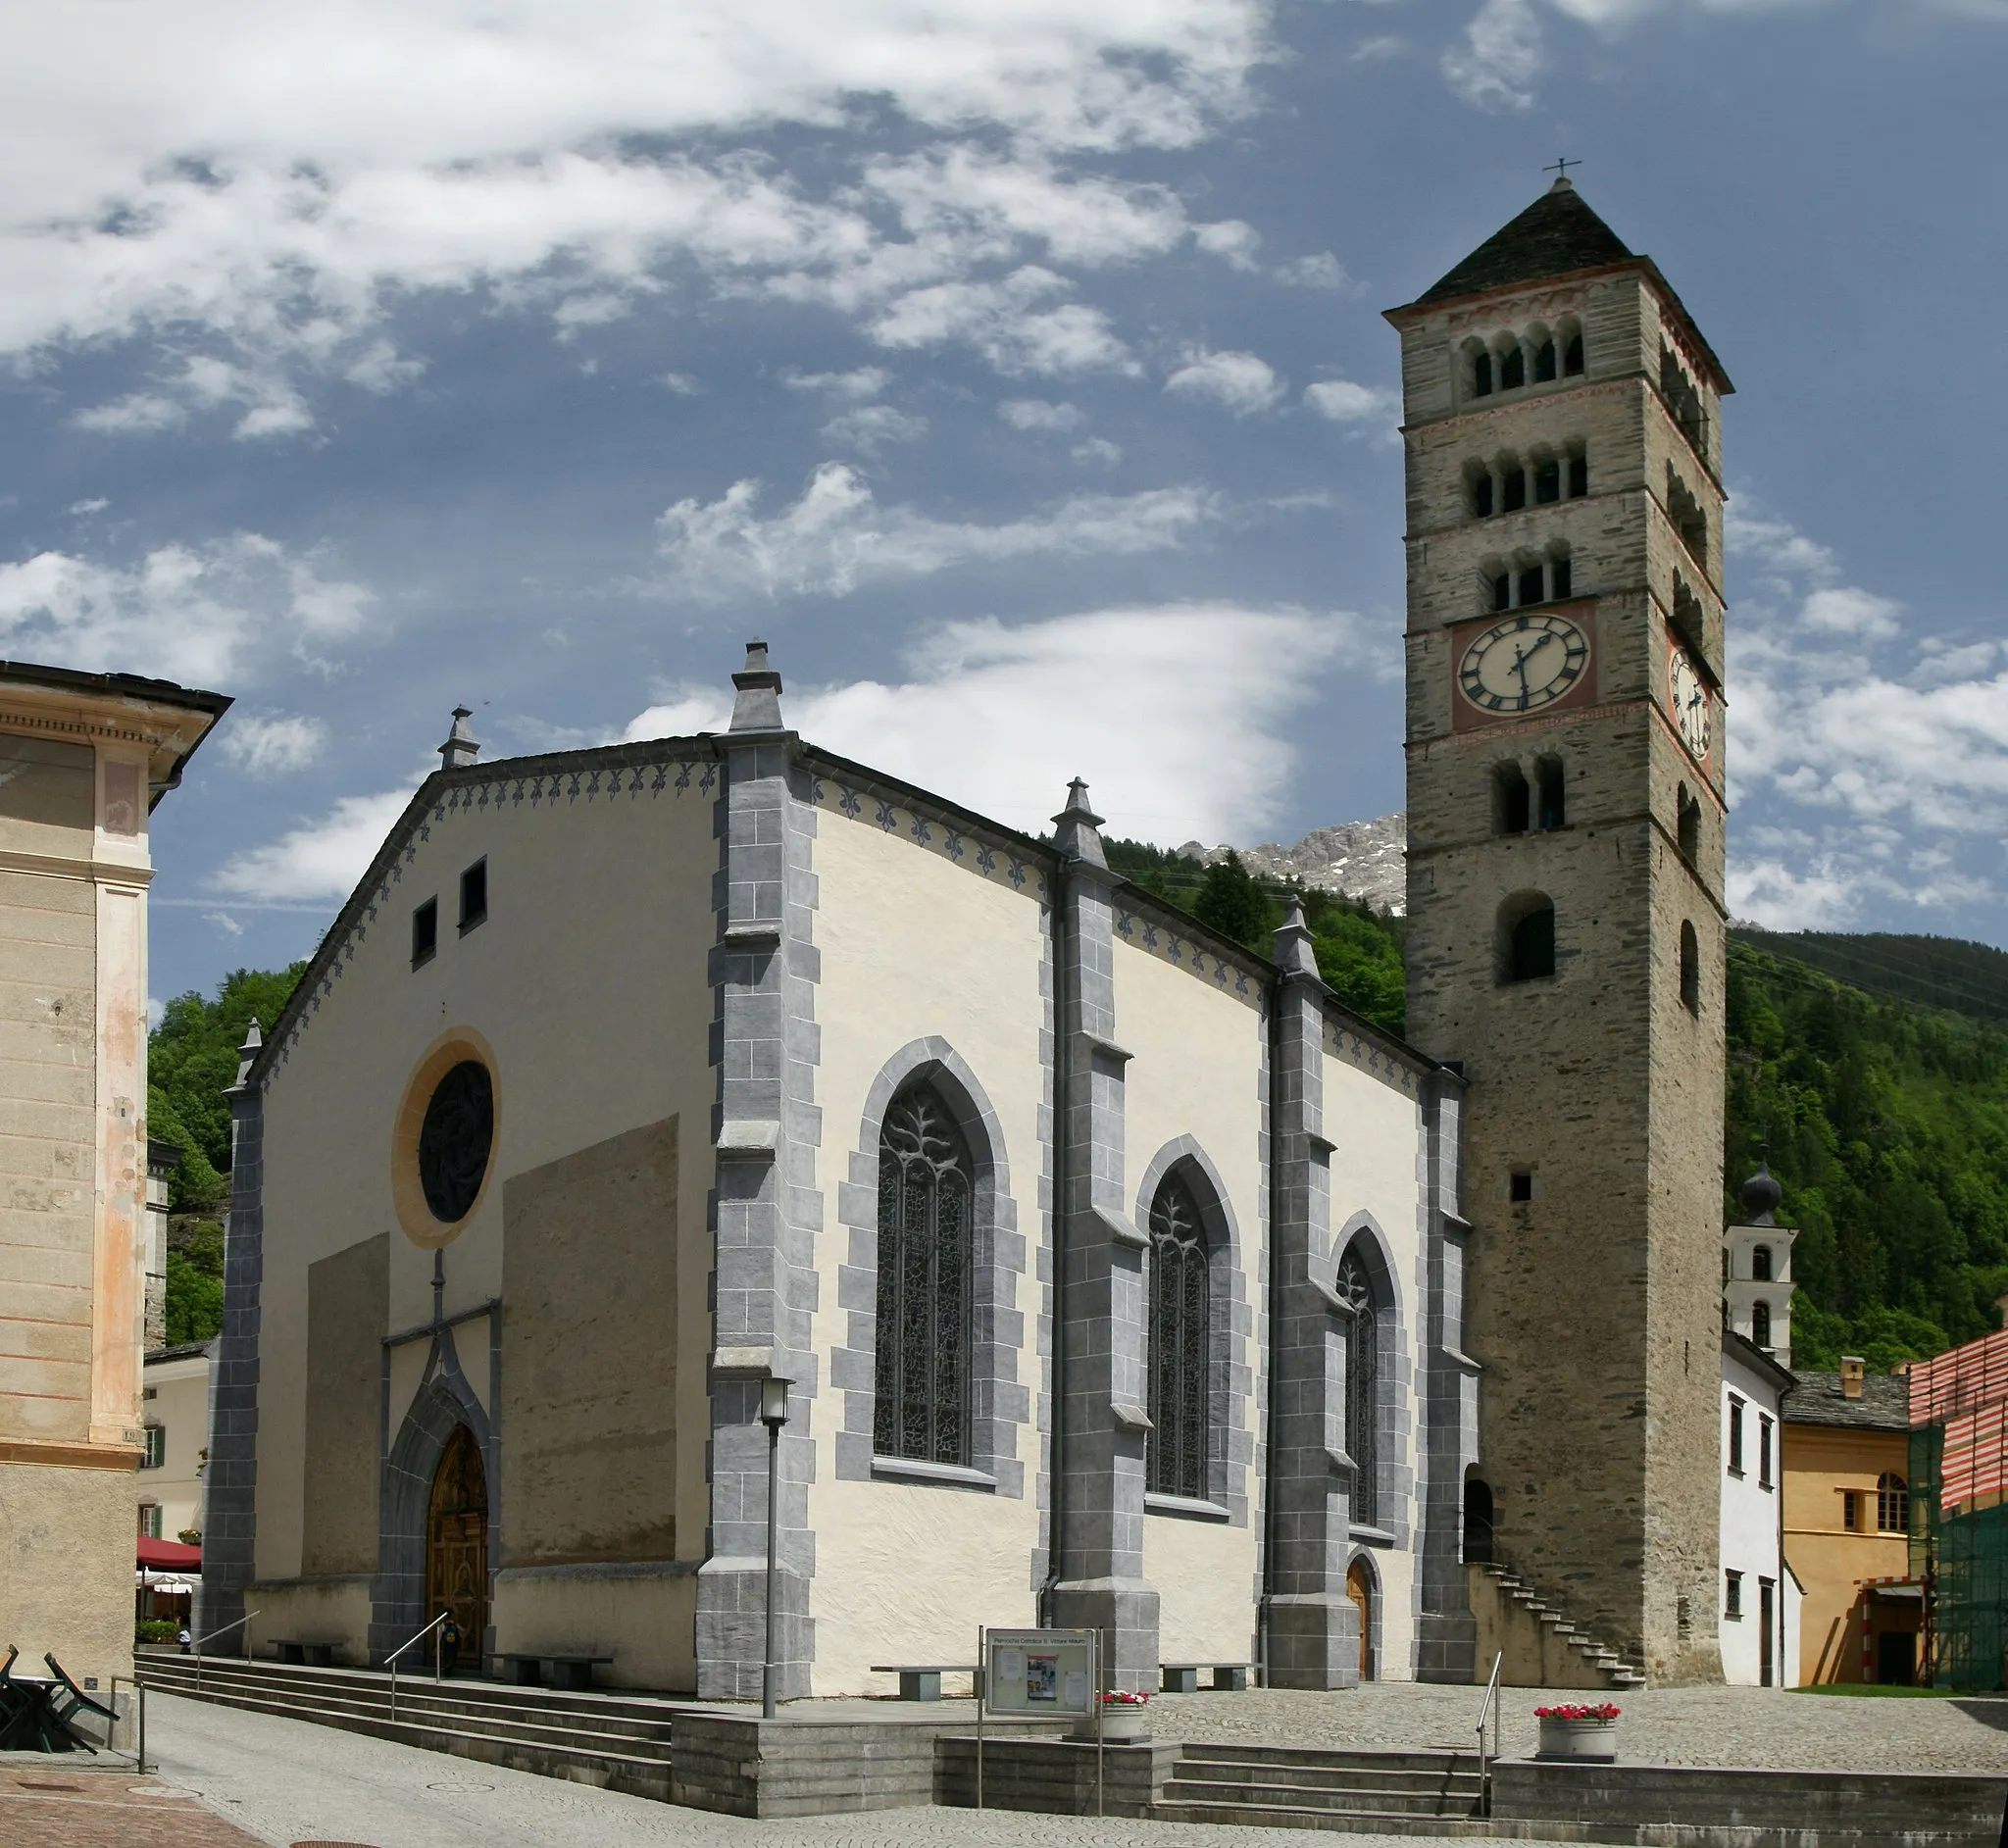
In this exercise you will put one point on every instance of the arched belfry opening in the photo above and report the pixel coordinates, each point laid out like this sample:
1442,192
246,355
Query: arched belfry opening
457,1540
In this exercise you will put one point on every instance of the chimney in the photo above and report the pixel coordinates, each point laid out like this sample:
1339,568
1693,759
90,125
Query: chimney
458,749
757,706
1077,828
1852,1367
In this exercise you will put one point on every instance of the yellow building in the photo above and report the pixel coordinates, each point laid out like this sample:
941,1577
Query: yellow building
1847,1519
84,758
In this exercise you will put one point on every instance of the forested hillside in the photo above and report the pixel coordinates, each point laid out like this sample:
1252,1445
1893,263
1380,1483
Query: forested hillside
1886,1121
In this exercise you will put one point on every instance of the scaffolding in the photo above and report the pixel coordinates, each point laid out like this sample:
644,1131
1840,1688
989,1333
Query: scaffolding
1958,1514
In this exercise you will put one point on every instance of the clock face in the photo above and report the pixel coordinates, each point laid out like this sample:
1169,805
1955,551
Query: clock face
1523,663
1691,704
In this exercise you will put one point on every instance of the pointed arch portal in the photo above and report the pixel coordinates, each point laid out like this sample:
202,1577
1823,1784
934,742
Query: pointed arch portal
457,1539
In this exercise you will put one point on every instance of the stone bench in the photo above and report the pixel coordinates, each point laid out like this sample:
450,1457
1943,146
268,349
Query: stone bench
526,1668
303,1655
922,1682
1182,1677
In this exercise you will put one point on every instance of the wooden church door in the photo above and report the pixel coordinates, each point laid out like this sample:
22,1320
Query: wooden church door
457,1542
1360,1591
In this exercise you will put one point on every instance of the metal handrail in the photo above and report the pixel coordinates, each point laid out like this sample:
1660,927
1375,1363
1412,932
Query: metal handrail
221,1630
1484,1758
438,1665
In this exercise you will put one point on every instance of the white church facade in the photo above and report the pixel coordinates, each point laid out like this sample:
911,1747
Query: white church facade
1116,1271
1120,1275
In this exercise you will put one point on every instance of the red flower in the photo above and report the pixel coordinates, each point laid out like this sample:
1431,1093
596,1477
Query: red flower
1118,1698
1603,1709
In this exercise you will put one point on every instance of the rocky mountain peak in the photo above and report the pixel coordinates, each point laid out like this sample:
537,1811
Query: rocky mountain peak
1361,860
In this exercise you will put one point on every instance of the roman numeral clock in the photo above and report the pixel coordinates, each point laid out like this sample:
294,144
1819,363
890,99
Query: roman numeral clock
1513,666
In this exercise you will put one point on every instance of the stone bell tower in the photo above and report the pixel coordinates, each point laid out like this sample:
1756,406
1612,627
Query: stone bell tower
1565,888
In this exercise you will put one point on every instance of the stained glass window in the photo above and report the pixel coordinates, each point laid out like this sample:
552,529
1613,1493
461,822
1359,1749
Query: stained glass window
1181,1307
1361,1389
924,1269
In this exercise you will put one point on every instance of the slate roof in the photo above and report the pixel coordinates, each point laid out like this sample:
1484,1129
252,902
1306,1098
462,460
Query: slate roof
1884,1403
1556,234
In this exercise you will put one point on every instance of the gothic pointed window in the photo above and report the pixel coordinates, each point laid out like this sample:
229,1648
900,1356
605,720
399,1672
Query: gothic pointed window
925,1271
1181,1312
1361,1389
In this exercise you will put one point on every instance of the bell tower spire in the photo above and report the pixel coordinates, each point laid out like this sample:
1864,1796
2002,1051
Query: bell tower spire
1564,867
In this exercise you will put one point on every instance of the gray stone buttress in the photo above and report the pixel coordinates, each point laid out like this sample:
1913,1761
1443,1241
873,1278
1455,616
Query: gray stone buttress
765,1210
1447,1633
230,1513
1104,1425
1314,1627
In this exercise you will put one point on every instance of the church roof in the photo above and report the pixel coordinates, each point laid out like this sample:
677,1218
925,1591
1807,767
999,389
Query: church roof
1556,234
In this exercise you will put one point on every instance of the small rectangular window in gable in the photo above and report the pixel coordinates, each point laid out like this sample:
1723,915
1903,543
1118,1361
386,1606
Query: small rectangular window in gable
425,932
473,895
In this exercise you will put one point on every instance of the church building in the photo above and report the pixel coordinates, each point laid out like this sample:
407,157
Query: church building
1119,1277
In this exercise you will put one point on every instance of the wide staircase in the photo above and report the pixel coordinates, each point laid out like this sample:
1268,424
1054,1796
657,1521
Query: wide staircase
618,1741
1541,1646
1420,1792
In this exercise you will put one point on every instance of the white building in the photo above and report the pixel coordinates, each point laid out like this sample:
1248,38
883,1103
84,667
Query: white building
1758,1602
176,1411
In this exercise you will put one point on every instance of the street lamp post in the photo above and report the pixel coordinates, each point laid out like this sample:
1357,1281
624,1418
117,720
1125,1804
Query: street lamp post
774,1414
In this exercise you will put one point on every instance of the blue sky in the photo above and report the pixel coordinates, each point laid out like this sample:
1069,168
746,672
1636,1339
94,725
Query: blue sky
1014,367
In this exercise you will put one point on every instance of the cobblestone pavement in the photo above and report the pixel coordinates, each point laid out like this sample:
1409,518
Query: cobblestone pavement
287,1782
103,1807
1667,1725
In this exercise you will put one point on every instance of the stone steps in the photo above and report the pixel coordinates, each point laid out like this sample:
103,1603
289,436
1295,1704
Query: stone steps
1610,1667
1285,1787
613,1741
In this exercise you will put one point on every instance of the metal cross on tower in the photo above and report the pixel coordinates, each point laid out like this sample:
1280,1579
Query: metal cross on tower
1561,167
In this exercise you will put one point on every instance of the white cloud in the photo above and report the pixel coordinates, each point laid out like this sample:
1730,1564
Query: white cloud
837,537
271,744
96,505
1345,402
1098,452
990,714
273,181
1231,240
317,859
190,613
1868,763
1240,382
1321,272
225,922
1007,325
682,383
140,413
1499,58
867,381
869,427
1035,414
382,370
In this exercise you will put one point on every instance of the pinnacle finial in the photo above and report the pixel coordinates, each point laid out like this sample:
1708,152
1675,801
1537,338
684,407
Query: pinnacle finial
247,1053
758,704
1295,954
460,748
1077,825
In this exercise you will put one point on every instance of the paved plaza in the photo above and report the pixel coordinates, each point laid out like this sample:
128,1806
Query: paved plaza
229,1778
1757,1727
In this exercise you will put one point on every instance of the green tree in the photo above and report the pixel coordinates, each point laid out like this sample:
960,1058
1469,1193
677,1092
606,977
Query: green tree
192,1060
195,1283
1232,902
